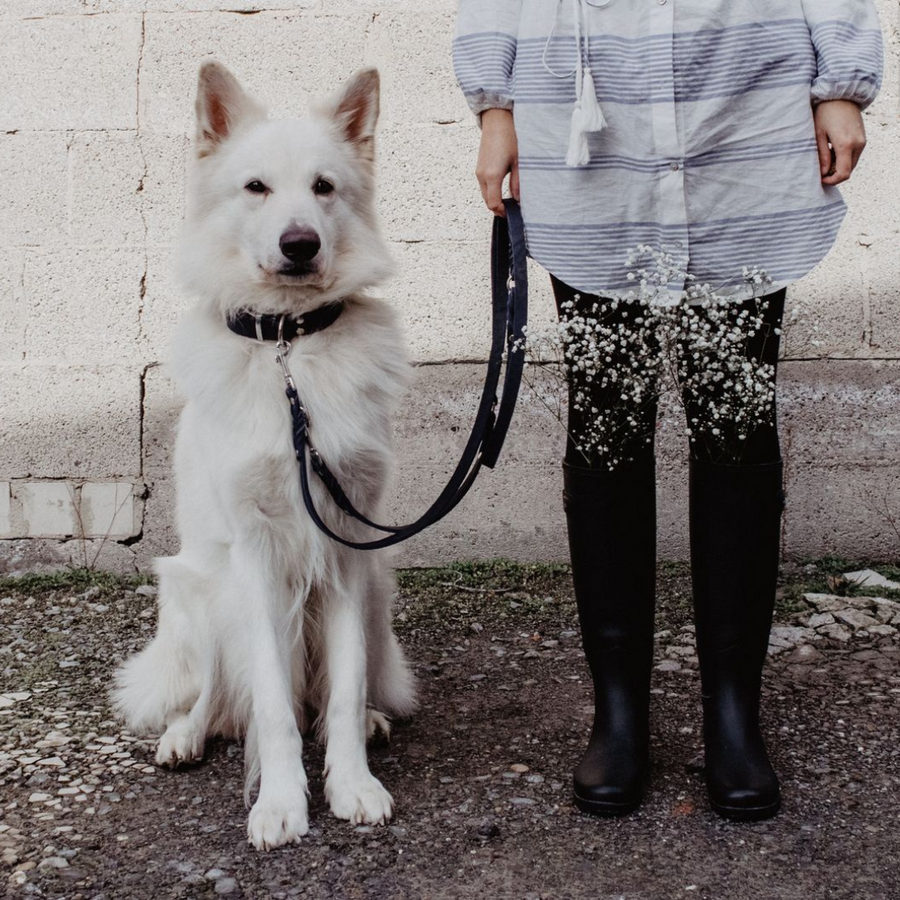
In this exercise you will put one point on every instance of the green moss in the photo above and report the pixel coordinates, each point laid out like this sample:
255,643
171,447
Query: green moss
71,579
537,596
495,574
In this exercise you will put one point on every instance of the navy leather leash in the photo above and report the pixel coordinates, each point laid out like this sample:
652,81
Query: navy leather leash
509,290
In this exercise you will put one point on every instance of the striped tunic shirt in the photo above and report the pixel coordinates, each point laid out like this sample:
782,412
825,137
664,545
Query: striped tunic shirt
709,153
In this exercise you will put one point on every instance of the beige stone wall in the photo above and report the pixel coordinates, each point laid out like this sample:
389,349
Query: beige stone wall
95,106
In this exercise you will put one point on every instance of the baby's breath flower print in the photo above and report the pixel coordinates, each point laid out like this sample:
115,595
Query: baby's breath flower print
631,351
732,395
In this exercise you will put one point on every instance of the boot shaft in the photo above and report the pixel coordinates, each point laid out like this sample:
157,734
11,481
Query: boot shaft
611,520
735,529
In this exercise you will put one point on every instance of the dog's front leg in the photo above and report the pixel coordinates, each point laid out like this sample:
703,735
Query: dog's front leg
279,815
352,791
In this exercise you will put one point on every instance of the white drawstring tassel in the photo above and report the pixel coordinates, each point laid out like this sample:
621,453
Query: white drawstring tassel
578,154
592,114
587,115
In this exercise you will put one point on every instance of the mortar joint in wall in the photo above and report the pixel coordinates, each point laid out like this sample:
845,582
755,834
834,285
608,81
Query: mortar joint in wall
373,18
865,243
141,442
70,180
142,179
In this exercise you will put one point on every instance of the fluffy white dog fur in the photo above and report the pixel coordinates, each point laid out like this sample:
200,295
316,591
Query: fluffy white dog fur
263,619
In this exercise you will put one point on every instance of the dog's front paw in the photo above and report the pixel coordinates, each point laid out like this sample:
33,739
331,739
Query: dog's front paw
359,800
274,823
181,743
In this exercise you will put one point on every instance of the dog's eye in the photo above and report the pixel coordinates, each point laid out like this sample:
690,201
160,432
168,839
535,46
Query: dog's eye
255,187
323,187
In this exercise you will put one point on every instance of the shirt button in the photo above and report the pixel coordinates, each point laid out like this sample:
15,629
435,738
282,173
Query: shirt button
674,166
662,2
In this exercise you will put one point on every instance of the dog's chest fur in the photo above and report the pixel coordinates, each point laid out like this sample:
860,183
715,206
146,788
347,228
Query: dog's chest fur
237,420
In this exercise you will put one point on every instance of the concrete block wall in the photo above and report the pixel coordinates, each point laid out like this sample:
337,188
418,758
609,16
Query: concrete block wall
95,111
63,509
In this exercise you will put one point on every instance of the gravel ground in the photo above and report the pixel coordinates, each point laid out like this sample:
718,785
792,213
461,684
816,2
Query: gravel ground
480,775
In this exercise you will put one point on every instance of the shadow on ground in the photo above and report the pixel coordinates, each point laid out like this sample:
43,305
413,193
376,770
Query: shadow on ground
480,775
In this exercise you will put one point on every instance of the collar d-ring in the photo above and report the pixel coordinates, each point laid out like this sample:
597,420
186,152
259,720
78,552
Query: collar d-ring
281,345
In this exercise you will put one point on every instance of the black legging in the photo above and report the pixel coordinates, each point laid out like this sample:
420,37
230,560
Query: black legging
761,444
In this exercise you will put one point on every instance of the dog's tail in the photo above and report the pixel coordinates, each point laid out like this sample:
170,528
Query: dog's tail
394,687
165,678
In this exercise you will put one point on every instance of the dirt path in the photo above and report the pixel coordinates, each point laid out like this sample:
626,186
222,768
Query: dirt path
503,687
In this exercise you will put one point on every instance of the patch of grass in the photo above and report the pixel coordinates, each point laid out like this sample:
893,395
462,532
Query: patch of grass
465,592
71,580
536,597
822,576
837,565
674,601
451,598
499,574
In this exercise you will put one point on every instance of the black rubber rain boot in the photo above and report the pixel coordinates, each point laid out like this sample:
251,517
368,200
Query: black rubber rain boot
611,520
735,525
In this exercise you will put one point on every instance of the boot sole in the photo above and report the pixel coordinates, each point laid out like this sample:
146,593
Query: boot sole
606,810
747,813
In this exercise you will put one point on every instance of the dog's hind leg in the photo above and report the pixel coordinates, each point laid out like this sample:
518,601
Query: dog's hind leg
352,791
162,683
184,739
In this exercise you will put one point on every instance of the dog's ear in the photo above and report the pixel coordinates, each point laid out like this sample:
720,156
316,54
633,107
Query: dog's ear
222,107
355,111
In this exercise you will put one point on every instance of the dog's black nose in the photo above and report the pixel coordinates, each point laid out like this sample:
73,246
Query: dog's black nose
300,244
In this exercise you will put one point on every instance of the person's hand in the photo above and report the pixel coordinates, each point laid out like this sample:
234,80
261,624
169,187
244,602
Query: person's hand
498,156
841,137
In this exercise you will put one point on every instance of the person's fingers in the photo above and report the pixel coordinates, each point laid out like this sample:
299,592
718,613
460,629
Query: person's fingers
843,164
824,153
514,181
496,157
492,191
857,152
840,139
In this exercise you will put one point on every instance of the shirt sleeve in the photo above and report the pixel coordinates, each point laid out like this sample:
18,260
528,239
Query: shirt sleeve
484,50
849,50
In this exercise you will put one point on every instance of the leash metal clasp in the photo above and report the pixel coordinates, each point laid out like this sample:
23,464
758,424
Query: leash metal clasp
299,415
282,352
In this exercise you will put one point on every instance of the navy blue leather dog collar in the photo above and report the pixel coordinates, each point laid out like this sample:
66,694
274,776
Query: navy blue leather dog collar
265,327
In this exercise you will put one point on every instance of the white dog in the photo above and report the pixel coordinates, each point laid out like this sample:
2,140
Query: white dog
262,617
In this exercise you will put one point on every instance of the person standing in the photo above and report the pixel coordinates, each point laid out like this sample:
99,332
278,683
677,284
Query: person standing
716,132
